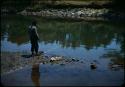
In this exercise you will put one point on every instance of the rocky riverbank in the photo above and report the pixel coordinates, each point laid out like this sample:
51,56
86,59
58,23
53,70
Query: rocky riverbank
76,13
12,61
17,70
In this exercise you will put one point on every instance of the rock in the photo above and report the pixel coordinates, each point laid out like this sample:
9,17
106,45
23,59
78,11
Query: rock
93,66
44,62
62,64
41,52
55,59
24,12
75,60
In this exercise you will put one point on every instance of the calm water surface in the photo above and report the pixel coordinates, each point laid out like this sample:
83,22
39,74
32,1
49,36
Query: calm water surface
88,41
68,38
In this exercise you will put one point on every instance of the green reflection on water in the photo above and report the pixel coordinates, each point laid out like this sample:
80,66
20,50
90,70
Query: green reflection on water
67,33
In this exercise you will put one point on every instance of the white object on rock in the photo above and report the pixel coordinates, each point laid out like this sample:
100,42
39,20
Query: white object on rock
56,58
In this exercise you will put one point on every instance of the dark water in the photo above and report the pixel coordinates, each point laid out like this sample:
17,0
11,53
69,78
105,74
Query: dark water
89,41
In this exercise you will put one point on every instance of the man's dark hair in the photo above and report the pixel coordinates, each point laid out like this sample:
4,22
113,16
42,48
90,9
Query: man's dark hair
34,23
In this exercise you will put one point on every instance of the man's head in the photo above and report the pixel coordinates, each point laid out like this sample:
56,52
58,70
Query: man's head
34,23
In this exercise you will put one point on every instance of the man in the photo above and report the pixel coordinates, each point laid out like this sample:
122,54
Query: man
33,38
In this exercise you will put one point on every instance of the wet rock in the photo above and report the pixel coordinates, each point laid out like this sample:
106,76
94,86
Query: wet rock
41,52
93,66
75,60
26,56
44,62
55,59
62,64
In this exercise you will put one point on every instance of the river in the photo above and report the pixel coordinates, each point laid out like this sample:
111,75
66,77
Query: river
101,41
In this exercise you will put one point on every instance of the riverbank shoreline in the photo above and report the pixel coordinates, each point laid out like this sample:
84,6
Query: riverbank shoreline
87,14
80,10
76,13
28,70
13,61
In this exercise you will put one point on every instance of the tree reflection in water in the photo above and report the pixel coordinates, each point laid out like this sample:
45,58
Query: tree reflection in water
66,33
35,75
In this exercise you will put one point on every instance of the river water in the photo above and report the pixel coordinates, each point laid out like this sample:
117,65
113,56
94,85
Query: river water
100,41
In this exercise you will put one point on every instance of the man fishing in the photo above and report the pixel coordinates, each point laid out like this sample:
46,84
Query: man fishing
34,38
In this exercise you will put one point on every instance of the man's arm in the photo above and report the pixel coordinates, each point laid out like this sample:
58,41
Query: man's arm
36,33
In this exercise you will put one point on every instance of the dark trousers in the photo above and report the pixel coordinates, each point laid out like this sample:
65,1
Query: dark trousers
34,46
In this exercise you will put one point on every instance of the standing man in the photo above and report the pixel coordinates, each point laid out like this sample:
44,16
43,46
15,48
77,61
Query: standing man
33,38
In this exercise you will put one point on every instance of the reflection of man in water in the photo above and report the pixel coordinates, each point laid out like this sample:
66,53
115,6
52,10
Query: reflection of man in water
35,75
33,37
